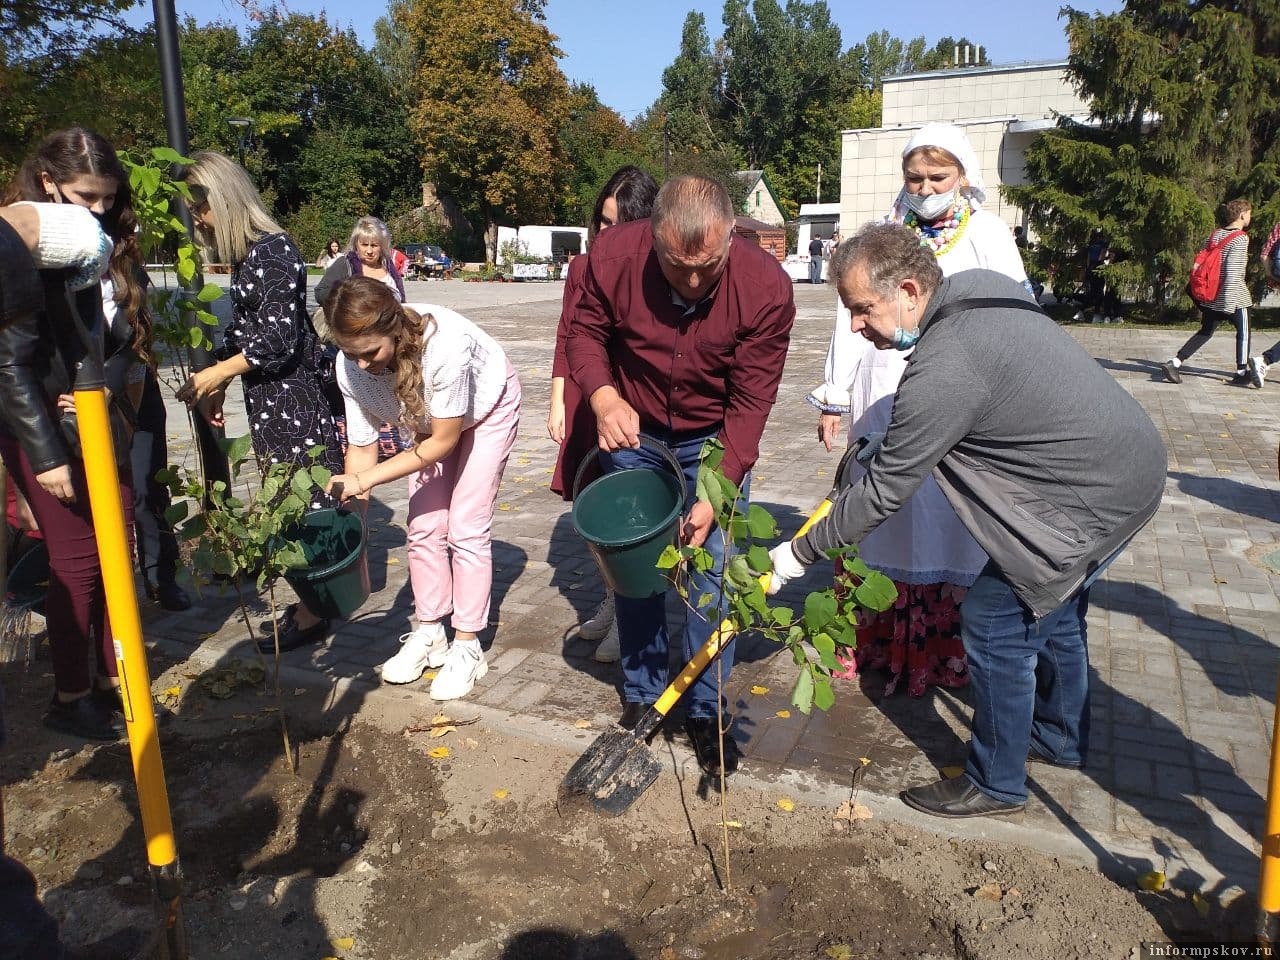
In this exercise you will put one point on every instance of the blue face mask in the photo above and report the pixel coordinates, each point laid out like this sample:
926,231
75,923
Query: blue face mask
904,339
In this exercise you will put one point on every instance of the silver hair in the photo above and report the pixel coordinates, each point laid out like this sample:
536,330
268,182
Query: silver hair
370,228
688,209
890,253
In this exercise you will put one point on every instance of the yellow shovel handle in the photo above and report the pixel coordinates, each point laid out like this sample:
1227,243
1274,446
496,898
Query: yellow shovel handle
722,634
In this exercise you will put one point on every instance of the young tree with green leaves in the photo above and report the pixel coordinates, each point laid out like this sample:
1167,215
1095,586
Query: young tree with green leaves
1184,115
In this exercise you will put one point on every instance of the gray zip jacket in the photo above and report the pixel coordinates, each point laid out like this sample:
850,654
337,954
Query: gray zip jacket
1047,461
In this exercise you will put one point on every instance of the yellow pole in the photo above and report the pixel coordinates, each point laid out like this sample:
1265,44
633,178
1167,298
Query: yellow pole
1269,873
135,679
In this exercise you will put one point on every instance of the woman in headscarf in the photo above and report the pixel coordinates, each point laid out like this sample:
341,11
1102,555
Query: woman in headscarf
923,547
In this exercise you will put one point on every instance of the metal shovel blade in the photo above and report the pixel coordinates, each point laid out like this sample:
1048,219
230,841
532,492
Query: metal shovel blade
614,771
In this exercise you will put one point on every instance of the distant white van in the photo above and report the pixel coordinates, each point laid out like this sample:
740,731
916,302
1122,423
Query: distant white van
553,244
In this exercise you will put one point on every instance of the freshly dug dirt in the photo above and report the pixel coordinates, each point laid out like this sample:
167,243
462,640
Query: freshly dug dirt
377,850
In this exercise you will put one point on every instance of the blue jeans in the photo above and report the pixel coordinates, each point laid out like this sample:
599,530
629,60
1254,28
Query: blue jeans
815,270
642,624
1030,682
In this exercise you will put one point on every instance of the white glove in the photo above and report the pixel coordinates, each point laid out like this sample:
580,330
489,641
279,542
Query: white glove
785,567
71,237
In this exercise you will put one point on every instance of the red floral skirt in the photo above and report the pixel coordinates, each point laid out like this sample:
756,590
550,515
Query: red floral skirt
917,638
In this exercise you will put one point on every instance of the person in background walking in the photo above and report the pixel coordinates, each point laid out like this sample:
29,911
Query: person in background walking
440,376
1232,301
1271,270
269,344
627,196
815,260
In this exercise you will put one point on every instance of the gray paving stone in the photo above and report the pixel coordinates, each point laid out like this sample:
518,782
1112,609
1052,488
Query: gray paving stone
1184,630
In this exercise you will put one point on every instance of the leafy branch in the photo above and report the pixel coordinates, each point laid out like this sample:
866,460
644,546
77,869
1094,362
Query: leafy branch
253,535
829,619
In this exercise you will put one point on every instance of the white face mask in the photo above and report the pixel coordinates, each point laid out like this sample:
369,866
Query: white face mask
929,207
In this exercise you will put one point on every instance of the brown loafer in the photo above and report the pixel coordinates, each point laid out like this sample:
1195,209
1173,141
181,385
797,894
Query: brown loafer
957,798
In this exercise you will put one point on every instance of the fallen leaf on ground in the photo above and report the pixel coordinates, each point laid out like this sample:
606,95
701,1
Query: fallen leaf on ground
864,760
950,773
343,943
852,812
786,804
1151,880
437,732
759,690
1218,580
501,794
783,714
733,824
393,560
429,675
440,718
173,692
582,724
504,506
839,951
470,743
1201,904
989,891
438,753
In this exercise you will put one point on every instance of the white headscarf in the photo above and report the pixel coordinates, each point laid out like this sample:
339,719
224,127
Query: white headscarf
953,140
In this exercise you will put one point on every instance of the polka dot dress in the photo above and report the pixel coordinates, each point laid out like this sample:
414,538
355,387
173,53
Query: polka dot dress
283,393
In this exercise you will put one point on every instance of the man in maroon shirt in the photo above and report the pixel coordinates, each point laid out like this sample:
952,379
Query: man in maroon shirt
681,334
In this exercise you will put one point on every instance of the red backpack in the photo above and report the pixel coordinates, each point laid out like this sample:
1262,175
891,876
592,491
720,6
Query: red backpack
1206,269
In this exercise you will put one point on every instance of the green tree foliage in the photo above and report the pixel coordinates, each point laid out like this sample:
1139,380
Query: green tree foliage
489,102
1185,115
594,141
49,30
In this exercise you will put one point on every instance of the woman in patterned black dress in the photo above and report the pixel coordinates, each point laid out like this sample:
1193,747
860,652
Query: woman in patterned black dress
269,342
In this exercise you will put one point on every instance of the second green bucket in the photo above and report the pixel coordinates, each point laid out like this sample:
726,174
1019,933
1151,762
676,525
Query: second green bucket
628,517
335,581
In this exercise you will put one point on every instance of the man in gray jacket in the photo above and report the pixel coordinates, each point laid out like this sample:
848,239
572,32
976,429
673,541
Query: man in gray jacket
1047,461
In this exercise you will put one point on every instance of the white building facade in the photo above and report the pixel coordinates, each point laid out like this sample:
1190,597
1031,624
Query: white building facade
1000,108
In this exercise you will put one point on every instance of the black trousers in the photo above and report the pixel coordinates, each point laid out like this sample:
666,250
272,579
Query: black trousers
157,546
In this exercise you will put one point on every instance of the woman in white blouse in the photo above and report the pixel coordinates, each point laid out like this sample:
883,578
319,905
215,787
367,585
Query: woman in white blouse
450,386
923,547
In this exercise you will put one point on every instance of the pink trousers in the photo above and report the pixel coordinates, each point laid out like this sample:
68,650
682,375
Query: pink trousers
451,506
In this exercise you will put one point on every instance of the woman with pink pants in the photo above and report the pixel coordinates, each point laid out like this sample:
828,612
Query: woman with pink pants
450,385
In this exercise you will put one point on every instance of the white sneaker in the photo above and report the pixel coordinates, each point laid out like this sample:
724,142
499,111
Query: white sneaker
609,650
600,622
1258,371
426,647
462,668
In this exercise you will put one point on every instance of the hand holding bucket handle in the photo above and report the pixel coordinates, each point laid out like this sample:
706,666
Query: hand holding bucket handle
619,766
645,441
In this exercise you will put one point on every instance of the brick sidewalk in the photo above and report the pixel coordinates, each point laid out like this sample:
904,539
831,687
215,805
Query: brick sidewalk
1183,628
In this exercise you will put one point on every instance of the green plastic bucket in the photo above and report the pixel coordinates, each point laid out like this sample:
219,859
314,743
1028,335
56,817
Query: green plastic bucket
628,517
335,581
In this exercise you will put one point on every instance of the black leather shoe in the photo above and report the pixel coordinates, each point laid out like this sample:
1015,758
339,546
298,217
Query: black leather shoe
704,734
1035,756
957,798
632,713
170,596
291,637
286,618
1240,380
84,717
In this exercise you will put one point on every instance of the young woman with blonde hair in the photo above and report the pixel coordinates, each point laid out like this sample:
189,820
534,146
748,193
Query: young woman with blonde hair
269,343
450,386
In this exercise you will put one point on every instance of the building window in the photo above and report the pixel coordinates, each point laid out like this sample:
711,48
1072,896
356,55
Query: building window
757,199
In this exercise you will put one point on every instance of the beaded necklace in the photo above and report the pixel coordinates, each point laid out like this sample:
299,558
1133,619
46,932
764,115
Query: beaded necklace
941,235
